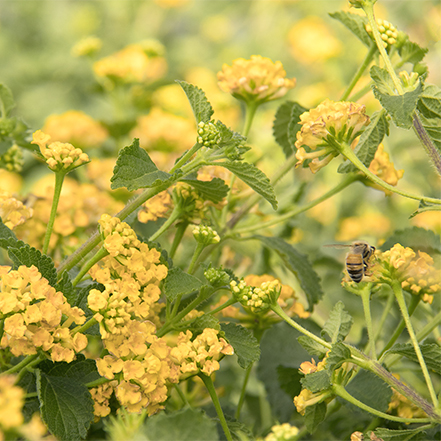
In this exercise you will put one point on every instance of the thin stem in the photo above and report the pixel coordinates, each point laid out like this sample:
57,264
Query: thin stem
21,365
386,310
348,180
85,326
229,302
243,391
414,300
362,92
186,157
403,307
100,254
179,234
281,313
365,294
97,383
369,57
249,117
27,368
340,391
181,394
196,254
167,224
59,178
211,390
349,154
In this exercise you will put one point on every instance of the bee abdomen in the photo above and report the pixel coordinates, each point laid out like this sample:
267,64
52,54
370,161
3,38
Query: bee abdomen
355,271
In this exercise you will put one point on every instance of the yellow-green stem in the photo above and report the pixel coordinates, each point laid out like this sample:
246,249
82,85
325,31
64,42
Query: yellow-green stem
243,391
29,359
179,234
197,252
365,294
167,224
59,178
100,254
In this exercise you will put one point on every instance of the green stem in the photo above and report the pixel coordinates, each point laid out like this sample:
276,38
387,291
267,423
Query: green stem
243,391
186,157
348,180
85,326
179,234
59,178
21,365
433,324
362,92
229,302
167,224
340,391
27,368
386,310
365,294
100,254
210,387
403,307
181,395
369,57
349,154
197,252
414,300
98,382
281,313
249,116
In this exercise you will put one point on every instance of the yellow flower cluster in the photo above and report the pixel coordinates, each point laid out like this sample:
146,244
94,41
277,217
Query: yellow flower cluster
416,272
77,128
12,211
32,311
382,167
101,396
258,79
59,155
156,207
387,30
87,46
342,121
201,354
309,367
132,64
12,399
282,432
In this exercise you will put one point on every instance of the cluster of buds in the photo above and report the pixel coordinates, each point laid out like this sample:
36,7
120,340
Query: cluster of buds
201,354
282,432
387,30
217,277
32,311
59,155
256,80
191,204
208,135
12,160
205,235
12,211
157,206
326,126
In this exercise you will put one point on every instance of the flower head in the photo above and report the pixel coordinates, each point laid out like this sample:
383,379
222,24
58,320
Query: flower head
282,432
387,31
258,79
205,235
12,211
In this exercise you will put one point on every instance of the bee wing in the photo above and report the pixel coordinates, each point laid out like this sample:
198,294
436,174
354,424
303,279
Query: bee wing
337,245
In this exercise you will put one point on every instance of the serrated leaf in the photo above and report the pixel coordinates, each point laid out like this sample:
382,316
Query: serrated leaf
201,107
183,425
312,347
298,264
368,143
400,107
339,323
6,100
178,282
253,177
214,190
355,23
410,52
134,169
401,435
28,256
294,126
314,415
66,406
370,390
64,285
416,238
431,354
204,321
429,103
317,381
337,356
382,80
245,345
7,237
289,380
430,127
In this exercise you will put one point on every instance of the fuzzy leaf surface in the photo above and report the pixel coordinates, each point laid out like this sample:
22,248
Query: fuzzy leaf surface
410,52
280,127
432,127
204,321
245,345
201,107
8,237
178,282
430,102
312,347
134,169
355,23
416,238
401,435
214,190
298,264
317,381
339,323
314,415
338,355
431,354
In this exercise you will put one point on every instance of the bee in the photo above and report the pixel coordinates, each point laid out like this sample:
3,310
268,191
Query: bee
357,260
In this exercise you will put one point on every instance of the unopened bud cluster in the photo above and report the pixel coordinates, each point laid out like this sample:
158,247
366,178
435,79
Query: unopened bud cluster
257,299
12,160
208,135
217,277
409,80
205,235
387,30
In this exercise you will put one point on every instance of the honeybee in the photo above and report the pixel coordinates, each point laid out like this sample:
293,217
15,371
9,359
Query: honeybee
357,260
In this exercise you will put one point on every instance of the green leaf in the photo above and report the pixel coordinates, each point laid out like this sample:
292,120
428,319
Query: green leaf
65,286
416,238
312,347
314,415
338,355
245,345
214,190
79,298
410,52
431,354
66,406
134,169
423,207
201,107
429,103
289,379
339,323
253,177
178,282
183,425
370,390
298,264
204,321
28,256
399,107
294,126
368,143
432,128
401,435
6,100
355,23
7,237
31,404
317,381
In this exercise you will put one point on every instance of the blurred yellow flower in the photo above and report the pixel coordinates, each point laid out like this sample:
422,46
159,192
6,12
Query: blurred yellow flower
429,220
171,3
312,41
76,128
384,169
370,223
156,207
12,400
282,432
258,79
12,211
87,46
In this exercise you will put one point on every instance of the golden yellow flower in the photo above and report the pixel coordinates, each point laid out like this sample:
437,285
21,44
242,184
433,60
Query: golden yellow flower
370,223
87,46
77,128
12,211
12,399
258,79
384,169
282,432
156,207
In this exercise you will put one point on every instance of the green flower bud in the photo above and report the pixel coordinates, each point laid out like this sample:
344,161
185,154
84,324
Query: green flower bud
205,235
217,277
208,135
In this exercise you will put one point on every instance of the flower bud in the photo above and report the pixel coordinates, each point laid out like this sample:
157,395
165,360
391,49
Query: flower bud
205,235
